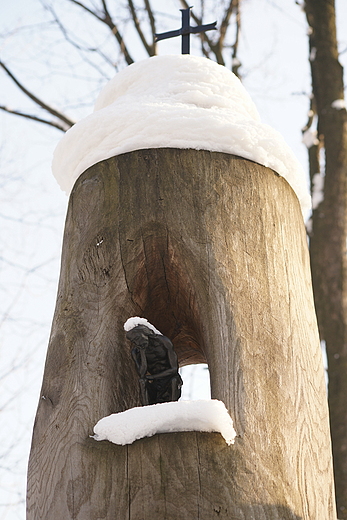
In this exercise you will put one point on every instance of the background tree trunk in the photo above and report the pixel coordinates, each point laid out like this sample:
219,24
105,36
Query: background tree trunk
212,250
329,228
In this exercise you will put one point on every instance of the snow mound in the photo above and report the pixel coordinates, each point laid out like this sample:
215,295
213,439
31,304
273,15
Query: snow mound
175,102
133,322
181,416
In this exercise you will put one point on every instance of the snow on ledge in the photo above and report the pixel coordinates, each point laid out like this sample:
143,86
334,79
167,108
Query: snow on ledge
179,101
181,416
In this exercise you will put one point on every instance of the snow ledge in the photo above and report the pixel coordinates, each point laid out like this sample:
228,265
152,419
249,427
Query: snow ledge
181,416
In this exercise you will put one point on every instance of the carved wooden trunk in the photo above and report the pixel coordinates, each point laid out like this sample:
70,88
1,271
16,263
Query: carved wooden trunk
211,249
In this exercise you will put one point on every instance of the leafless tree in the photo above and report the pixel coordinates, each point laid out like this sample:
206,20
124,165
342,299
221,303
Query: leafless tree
329,221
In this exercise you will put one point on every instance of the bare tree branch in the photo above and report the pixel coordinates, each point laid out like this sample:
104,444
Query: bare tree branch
235,61
61,127
205,51
37,100
152,23
87,9
78,46
107,19
225,23
217,48
149,48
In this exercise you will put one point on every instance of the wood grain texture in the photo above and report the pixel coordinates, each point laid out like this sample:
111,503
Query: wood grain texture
211,249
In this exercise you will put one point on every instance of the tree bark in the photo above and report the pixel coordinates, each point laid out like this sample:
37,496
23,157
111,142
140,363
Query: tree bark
212,250
329,228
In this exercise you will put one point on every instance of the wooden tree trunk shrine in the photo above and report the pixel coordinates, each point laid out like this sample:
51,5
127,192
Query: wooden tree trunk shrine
211,249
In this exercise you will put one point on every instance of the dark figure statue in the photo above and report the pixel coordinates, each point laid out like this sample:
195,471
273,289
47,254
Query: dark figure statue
157,366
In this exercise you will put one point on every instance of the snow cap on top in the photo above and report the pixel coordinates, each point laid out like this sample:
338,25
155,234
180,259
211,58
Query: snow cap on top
178,101
133,322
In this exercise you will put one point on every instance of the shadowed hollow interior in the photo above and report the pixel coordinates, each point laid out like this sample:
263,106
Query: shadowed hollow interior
166,297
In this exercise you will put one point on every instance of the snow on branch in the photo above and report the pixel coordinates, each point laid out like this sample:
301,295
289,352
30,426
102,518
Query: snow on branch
339,104
310,138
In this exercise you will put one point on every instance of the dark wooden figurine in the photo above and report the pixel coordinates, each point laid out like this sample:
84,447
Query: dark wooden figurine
157,366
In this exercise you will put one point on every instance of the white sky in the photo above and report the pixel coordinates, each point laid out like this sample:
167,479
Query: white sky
276,74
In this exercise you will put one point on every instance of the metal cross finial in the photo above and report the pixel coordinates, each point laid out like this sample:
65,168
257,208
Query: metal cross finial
185,31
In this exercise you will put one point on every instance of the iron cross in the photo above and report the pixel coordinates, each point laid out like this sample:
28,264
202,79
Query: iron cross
185,31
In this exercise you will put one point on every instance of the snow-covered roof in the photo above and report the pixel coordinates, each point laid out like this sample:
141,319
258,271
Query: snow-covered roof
177,102
181,416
